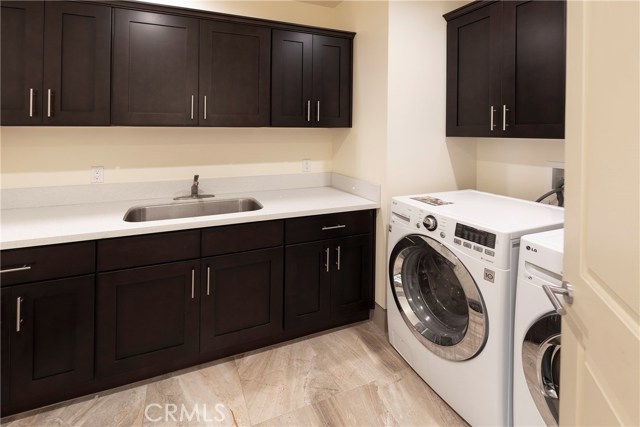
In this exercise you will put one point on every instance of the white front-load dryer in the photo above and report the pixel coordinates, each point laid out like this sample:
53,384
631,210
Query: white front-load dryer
536,370
452,273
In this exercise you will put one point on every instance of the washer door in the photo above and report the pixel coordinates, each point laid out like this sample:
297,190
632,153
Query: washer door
541,364
437,298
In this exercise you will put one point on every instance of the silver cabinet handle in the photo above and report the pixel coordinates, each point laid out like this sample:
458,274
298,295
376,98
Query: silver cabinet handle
308,110
193,283
318,112
208,280
333,227
192,96
18,313
326,265
492,125
504,117
16,269
48,102
205,107
566,291
338,261
31,102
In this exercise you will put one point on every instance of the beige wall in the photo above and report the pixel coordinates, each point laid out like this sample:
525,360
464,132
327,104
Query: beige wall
518,167
419,157
361,151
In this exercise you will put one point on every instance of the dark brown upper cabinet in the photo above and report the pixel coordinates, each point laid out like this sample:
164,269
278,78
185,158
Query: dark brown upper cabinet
155,69
55,63
311,80
177,71
506,69
235,67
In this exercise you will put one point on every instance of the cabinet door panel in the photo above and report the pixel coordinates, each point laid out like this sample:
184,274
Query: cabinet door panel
241,298
534,68
235,66
351,283
155,69
146,316
291,79
307,285
473,72
53,349
21,62
331,81
77,64
5,356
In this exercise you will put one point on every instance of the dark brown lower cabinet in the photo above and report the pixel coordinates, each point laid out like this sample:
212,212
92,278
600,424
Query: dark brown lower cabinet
51,333
147,317
130,308
351,278
328,283
241,298
307,296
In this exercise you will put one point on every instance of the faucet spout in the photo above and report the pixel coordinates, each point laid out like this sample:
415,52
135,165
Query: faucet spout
194,191
194,186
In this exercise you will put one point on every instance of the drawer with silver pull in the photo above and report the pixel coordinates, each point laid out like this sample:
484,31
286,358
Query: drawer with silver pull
46,262
328,226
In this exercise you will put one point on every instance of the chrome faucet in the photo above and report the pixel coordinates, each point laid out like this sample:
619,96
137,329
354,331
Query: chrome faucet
194,187
194,191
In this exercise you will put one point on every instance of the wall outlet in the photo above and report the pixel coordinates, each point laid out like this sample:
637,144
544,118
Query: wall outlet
305,165
97,174
557,175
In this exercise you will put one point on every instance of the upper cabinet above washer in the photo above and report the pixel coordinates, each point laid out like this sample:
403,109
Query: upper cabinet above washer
506,69
55,63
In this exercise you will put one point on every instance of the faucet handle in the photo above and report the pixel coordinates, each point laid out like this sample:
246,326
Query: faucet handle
195,178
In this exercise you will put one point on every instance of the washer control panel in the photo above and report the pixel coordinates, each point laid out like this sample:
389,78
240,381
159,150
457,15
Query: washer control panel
475,235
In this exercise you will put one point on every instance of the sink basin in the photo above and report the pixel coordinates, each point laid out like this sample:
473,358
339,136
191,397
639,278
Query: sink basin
191,209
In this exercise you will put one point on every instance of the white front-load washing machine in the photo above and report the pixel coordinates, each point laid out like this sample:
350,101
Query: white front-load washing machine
452,274
536,365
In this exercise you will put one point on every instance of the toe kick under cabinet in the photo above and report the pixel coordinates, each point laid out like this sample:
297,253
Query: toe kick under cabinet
82,317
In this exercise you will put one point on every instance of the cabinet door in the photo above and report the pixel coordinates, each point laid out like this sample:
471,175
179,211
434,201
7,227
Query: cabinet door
235,68
307,286
474,49
21,62
291,79
241,298
534,68
5,355
146,317
331,102
51,339
77,64
352,281
155,69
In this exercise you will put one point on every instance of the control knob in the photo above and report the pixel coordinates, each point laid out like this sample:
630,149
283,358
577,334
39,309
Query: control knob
430,222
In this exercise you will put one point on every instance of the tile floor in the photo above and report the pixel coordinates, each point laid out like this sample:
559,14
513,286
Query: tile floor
346,377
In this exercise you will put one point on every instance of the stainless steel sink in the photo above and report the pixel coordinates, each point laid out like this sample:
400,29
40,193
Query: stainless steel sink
191,209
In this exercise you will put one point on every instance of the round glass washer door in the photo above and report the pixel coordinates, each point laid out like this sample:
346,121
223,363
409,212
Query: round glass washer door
437,298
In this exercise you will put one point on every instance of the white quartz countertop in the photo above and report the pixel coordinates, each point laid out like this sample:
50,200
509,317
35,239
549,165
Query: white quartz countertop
36,226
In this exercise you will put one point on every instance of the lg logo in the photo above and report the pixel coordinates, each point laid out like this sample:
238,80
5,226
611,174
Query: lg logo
532,249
